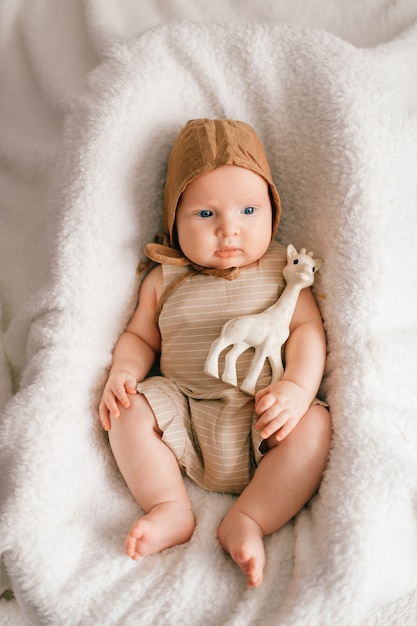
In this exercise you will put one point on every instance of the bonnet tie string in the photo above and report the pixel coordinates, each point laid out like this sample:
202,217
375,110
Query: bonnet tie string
163,253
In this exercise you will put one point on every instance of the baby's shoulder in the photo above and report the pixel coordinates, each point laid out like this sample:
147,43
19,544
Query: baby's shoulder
275,256
276,248
153,281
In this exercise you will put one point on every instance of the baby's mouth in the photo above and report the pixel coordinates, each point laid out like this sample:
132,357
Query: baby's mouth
227,252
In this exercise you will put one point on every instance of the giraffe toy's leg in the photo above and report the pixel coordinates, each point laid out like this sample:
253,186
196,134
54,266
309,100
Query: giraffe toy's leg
277,367
249,384
211,366
229,374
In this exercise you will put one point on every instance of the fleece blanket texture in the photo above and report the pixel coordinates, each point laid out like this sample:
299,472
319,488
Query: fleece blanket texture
339,124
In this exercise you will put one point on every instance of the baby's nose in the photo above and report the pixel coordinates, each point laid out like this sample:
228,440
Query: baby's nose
227,228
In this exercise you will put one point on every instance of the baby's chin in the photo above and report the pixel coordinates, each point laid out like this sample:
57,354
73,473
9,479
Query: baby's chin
238,263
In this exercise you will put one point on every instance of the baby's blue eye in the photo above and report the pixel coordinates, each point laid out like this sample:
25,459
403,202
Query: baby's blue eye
205,213
249,210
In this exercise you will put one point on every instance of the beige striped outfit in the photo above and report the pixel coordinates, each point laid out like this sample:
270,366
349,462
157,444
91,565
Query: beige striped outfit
209,424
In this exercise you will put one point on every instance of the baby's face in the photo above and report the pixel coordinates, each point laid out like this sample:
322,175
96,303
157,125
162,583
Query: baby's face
224,218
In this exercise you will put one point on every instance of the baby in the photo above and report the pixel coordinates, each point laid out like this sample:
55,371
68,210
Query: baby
219,259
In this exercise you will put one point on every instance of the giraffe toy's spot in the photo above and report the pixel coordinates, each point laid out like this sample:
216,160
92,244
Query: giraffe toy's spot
267,331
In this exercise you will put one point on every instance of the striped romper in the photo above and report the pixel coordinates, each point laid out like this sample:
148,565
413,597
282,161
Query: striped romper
208,424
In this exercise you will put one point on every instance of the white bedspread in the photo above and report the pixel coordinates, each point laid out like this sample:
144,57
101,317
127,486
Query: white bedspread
93,95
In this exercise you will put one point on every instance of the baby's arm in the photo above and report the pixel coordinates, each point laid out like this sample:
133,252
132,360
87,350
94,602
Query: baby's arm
281,405
135,350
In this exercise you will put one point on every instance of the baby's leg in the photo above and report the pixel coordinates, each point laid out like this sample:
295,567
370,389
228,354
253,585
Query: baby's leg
286,478
152,474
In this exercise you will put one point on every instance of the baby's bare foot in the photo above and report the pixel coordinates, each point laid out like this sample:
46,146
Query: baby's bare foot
166,525
241,537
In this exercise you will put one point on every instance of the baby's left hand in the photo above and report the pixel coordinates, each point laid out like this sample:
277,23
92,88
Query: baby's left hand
280,407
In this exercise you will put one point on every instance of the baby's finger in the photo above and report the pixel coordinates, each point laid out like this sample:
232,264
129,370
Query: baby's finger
286,429
104,416
261,393
120,393
264,403
273,425
110,403
130,386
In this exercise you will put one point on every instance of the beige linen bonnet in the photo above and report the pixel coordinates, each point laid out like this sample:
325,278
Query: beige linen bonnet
202,146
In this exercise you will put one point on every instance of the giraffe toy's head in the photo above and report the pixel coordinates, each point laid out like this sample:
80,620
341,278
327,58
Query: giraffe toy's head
301,267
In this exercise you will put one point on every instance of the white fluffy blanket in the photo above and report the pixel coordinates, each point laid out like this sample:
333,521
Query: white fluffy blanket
339,123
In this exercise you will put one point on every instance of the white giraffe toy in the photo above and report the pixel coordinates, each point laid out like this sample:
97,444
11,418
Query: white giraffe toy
266,331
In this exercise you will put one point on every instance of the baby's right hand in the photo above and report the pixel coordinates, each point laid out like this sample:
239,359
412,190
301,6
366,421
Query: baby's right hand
119,385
